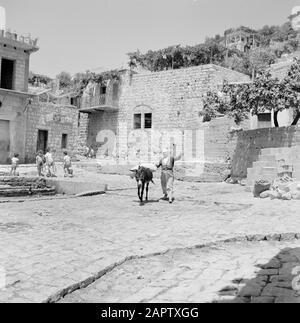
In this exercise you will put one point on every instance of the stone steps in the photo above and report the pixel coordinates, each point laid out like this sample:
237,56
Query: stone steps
26,191
24,186
273,162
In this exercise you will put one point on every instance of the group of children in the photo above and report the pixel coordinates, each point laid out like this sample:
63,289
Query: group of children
89,152
45,163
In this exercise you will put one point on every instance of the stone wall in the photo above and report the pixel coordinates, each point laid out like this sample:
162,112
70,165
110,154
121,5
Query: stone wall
249,144
175,97
57,120
101,122
175,100
83,126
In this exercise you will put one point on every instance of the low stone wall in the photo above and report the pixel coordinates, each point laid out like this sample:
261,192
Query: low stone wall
24,186
250,143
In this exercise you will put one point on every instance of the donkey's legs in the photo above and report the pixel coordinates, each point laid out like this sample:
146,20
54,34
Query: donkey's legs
142,195
147,191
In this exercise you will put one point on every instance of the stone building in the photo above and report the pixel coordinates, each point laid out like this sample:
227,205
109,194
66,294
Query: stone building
31,119
132,120
15,52
241,39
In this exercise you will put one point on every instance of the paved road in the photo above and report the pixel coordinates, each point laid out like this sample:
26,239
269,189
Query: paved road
46,246
243,272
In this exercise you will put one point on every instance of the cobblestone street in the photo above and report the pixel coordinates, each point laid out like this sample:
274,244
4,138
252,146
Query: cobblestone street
52,247
241,272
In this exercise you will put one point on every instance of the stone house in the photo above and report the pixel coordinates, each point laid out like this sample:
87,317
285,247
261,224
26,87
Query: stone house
241,40
15,53
28,121
134,119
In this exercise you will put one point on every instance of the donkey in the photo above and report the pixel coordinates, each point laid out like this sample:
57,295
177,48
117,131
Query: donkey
143,177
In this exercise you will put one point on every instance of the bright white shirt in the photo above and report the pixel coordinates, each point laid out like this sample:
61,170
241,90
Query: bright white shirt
14,161
49,158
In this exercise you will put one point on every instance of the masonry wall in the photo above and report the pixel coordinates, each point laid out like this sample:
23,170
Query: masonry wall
83,126
101,125
57,120
250,143
175,96
175,99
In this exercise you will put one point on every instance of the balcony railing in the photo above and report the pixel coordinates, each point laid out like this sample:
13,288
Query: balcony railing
103,101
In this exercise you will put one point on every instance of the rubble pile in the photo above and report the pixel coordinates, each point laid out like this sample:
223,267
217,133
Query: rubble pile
283,188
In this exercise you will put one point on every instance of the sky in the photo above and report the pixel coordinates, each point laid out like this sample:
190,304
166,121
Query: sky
76,36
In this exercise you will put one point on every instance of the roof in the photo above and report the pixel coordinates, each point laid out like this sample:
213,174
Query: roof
16,93
38,90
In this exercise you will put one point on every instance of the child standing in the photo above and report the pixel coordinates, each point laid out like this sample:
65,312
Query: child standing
40,163
14,165
50,164
67,165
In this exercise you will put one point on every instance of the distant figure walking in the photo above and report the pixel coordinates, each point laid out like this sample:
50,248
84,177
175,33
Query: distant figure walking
14,165
40,159
167,163
92,153
67,165
86,152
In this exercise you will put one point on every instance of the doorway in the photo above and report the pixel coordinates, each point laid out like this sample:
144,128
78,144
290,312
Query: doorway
42,141
4,141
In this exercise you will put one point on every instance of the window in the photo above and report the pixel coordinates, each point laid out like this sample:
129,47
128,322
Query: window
64,141
148,120
264,117
103,90
137,120
72,101
264,120
7,74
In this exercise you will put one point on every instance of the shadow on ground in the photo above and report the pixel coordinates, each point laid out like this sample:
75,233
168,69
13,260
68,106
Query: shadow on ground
277,281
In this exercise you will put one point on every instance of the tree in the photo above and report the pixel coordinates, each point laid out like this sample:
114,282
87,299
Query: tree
65,79
260,59
265,93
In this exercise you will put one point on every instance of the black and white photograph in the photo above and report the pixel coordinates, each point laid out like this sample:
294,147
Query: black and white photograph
149,154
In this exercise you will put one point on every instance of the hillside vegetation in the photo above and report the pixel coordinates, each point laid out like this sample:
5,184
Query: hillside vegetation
274,42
